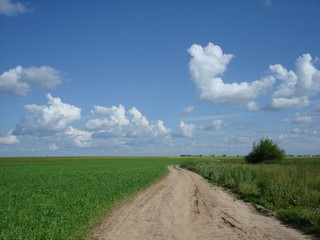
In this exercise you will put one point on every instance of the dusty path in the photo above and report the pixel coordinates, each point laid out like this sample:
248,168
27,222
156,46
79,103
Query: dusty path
184,206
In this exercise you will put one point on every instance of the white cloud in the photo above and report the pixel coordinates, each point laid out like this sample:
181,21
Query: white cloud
216,124
308,76
10,82
280,103
252,106
129,131
300,141
116,121
107,117
296,87
139,123
208,64
44,76
9,138
8,8
288,78
299,118
17,81
48,118
282,136
189,109
53,147
140,126
186,129
80,138
304,119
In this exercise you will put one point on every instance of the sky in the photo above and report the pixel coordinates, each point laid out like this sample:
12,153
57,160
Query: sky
158,77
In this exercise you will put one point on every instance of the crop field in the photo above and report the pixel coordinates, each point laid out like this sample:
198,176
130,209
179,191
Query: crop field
65,198
290,188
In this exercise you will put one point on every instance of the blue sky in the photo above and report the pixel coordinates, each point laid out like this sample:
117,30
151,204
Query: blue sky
158,77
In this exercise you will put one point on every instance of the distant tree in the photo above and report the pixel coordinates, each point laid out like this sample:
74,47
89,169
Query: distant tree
265,151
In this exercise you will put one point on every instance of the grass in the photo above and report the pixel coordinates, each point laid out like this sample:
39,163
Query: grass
290,188
64,198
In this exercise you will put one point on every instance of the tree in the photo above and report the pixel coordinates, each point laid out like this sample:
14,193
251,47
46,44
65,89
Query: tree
265,151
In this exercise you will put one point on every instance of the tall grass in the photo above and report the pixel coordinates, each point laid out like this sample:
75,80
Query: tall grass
63,198
291,188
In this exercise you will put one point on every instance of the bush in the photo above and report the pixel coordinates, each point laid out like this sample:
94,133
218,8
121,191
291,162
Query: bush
265,151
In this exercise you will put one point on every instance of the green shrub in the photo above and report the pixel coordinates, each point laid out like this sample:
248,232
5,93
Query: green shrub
265,151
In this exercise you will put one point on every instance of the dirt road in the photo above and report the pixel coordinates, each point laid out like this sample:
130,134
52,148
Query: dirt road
184,206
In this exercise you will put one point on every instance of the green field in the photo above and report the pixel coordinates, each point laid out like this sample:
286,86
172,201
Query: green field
290,188
65,198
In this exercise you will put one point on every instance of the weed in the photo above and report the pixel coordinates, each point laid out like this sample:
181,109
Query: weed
290,188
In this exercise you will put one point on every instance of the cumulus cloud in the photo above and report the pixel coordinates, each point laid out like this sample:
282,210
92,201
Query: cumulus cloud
116,121
186,129
18,81
53,147
9,138
206,67
80,138
189,109
9,8
252,106
140,125
215,125
293,89
107,117
54,117
296,86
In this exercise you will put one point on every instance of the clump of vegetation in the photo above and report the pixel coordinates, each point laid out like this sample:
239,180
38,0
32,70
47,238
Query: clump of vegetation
290,188
265,151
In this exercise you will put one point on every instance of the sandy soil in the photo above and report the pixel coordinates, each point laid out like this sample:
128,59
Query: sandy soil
184,206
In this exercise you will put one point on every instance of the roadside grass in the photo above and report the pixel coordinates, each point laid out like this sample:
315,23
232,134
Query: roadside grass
65,198
291,188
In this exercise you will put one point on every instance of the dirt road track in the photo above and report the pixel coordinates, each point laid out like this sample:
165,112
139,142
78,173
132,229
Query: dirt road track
184,206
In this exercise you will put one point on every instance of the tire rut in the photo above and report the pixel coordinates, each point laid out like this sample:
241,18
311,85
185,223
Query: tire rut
184,206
